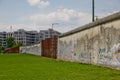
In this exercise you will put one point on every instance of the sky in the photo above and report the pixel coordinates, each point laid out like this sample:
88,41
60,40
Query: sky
41,14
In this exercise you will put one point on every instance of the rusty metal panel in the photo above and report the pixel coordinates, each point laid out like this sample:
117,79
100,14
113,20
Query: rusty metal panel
49,47
11,50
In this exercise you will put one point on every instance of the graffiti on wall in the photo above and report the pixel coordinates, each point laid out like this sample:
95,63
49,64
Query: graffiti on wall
109,37
101,47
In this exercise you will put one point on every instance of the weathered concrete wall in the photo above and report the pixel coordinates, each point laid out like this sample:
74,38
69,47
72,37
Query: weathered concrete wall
95,43
34,49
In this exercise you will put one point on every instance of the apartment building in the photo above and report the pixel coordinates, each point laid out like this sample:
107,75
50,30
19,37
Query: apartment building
44,34
20,36
3,38
28,37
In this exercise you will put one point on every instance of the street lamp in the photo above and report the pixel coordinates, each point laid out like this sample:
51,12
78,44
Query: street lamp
54,24
93,10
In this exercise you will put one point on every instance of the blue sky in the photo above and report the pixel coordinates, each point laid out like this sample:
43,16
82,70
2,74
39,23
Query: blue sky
40,14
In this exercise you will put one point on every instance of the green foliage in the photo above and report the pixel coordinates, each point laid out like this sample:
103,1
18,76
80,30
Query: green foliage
1,49
10,42
0,45
0,42
28,67
17,45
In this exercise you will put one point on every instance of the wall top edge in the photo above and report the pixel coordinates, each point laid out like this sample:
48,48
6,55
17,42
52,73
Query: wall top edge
104,20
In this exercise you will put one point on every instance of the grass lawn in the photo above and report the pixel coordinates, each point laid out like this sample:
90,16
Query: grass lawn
28,67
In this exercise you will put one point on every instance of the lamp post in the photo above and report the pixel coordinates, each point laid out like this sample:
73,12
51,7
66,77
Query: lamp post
54,24
93,10
93,19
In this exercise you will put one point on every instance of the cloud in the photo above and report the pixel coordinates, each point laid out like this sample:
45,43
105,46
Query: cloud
67,19
7,27
39,3
104,14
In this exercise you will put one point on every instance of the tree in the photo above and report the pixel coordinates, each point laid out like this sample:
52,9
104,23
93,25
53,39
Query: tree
0,41
10,42
1,49
0,45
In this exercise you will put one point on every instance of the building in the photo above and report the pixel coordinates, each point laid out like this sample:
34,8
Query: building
45,34
3,38
28,37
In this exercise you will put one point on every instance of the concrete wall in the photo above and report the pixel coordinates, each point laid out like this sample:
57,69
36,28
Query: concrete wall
95,43
34,49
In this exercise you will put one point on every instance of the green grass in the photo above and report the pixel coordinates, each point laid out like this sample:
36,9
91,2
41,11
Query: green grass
28,67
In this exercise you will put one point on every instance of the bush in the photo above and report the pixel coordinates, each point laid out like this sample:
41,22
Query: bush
1,49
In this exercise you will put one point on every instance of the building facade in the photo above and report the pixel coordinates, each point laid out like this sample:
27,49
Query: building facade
45,34
3,38
28,37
